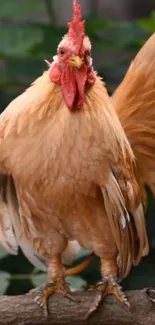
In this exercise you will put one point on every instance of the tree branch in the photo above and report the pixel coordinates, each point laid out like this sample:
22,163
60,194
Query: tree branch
21,310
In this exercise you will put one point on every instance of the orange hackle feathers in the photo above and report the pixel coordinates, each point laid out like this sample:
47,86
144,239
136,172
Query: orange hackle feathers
76,27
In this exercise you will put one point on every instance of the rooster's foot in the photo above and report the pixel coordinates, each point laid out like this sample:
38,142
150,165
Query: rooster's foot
104,288
48,289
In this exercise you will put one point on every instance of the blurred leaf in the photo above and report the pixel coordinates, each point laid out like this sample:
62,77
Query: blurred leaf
123,35
39,279
141,276
3,253
153,15
76,282
95,26
16,264
20,8
51,39
22,276
20,71
4,276
18,287
18,40
83,253
147,24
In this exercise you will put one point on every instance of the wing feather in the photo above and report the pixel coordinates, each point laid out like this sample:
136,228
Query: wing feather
128,228
134,101
10,225
7,235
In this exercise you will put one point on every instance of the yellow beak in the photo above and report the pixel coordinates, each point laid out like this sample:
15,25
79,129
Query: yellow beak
76,62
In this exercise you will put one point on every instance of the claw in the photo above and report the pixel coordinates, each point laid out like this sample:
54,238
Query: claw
104,288
96,303
49,289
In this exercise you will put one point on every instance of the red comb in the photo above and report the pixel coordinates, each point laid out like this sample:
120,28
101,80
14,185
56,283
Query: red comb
76,27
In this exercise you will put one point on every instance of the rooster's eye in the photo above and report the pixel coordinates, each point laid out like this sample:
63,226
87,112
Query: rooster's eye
88,53
62,52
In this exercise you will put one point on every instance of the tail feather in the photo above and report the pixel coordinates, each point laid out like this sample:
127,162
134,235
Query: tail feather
134,101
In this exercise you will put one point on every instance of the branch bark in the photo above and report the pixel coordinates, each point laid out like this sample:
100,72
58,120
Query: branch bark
21,310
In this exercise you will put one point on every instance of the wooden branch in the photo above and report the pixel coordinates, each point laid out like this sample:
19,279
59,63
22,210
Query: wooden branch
21,310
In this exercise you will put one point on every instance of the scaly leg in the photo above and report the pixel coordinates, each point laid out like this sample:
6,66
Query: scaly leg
108,285
55,283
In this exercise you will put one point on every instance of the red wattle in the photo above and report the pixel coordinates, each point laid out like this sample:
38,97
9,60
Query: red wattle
68,85
55,73
81,77
72,83
91,76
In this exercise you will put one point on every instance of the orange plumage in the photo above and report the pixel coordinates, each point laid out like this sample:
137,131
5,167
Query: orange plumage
134,101
72,163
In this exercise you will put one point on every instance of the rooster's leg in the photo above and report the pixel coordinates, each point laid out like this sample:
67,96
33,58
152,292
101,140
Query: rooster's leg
108,285
55,283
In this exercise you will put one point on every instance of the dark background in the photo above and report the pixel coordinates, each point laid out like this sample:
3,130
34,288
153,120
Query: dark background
30,31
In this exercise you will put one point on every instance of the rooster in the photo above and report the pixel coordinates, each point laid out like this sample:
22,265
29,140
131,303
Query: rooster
70,164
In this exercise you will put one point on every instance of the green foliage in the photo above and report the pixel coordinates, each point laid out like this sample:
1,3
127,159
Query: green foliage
148,24
27,37
4,279
19,40
2,252
26,40
20,9
38,279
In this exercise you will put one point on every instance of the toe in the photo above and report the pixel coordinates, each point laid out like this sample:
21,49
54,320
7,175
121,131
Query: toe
42,295
116,290
104,288
44,292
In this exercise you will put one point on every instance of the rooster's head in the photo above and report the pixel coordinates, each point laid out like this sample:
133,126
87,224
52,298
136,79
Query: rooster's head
72,67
